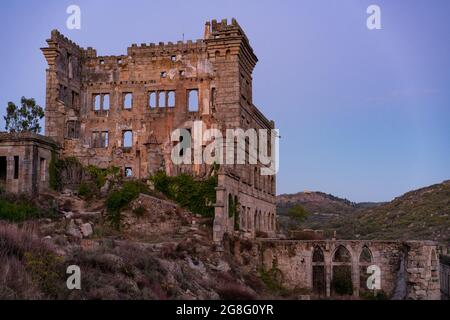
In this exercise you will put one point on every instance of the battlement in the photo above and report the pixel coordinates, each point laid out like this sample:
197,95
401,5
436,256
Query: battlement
166,48
59,38
223,29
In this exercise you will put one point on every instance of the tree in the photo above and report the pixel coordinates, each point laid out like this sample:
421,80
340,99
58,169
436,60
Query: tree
298,213
24,117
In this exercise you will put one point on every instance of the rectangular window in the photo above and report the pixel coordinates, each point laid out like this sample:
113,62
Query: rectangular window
127,101
100,102
104,139
3,168
161,99
43,168
193,104
128,172
171,99
95,139
127,139
16,167
97,102
152,99
73,129
105,105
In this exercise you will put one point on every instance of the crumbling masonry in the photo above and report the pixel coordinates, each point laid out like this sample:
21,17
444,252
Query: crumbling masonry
121,111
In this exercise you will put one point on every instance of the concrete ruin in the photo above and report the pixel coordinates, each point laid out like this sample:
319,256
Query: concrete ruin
121,111
24,162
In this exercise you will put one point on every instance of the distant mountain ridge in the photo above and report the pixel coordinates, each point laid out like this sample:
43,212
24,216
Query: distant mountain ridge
422,214
320,203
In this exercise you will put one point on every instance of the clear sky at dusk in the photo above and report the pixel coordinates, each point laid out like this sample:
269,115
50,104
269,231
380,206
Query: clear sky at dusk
363,114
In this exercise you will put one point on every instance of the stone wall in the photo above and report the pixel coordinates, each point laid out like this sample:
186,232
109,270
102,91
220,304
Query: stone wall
445,279
24,162
409,270
121,110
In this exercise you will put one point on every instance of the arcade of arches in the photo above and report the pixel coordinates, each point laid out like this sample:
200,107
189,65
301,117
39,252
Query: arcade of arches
409,270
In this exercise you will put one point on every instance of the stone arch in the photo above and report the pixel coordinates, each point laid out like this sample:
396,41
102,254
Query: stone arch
365,260
341,283
318,272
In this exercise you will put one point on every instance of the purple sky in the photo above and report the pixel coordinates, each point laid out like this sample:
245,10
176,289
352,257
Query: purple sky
363,114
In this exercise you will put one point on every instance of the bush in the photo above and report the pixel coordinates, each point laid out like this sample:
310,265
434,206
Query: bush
99,175
198,196
118,200
20,210
273,280
87,190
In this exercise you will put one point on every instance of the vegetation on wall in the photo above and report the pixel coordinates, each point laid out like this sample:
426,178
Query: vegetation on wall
99,175
198,196
60,169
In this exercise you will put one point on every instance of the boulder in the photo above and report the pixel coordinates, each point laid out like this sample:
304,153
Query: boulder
72,230
86,230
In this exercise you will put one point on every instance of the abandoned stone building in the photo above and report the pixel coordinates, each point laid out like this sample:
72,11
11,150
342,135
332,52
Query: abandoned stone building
24,161
407,269
121,111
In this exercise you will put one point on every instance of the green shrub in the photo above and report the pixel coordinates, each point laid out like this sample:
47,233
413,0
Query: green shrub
119,199
196,195
273,280
87,190
20,210
46,270
99,175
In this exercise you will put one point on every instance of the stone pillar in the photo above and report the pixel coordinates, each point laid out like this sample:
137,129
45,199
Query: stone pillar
328,272
355,274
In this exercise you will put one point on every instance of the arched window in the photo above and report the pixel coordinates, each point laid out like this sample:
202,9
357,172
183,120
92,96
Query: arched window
366,256
342,283
365,260
318,272
318,256
342,255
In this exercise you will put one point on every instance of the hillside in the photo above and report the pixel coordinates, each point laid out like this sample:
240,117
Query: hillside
161,251
322,208
419,214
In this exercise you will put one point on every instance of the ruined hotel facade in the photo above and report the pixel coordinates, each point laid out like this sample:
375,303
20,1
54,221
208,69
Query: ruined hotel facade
122,110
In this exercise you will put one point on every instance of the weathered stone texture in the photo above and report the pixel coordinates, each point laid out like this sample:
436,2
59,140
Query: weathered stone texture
24,162
95,102
297,261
